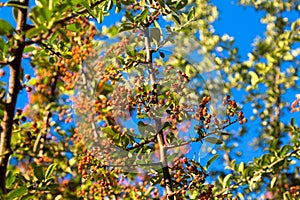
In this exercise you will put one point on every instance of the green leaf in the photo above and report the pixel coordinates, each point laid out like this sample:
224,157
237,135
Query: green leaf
181,4
73,27
50,170
16,193
63,34
191,14
10,179
254,78
29,49
35,31
273,182
125,27
213,140
5,27
38,172
155,35
211,160
129,16
87,6
28,196
143,15
241,167
176,18
226,180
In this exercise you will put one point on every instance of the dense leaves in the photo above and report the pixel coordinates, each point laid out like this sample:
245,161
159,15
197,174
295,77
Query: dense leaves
118,111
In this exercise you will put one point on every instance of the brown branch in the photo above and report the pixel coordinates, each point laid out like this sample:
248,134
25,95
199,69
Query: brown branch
12,95
41,138
261,171
147,141
4,62
160,138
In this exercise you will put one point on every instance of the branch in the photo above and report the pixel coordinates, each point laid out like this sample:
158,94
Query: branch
49,49
12,95
147,141
41,138
4,62
262,170
200,138
160,138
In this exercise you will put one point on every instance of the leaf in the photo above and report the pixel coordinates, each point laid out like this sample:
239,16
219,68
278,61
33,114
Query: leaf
181,4
176,18
38,172
35,31
241,167
63,34
87,6
129,16
211,160
273,182
191,14
5,27
16,193
125,27
254,78
213,140
10,179
143,15
155,35
28,196
50,170
226,180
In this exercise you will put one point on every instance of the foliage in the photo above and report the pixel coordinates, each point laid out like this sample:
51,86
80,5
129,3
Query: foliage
139,102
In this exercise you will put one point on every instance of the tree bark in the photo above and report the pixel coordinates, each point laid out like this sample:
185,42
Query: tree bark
12,95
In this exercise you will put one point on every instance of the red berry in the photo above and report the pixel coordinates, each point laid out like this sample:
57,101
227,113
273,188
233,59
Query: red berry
27,76
28,89
2,73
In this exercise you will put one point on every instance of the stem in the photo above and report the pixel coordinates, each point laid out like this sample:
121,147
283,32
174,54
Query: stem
41,138
12,95
261,171
160,140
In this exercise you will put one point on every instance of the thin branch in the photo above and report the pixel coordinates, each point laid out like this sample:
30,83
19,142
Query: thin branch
147,141
41,138
160,138
12,96
262,170
49,49
4,62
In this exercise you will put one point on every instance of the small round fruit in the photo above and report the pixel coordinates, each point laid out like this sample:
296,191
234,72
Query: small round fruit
28,89
27,76
2,73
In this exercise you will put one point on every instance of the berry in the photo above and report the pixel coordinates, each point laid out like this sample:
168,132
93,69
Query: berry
28,89
2,73
27,76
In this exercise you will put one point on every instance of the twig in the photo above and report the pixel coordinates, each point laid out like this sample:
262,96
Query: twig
147,141
4,62
160,138
262,170
41,138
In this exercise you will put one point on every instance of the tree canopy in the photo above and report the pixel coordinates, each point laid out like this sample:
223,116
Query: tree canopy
144,100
